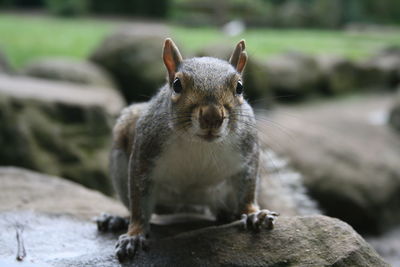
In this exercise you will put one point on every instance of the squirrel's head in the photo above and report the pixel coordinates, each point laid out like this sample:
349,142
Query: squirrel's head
206,93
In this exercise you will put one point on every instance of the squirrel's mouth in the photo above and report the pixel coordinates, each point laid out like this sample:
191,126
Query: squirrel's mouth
209,136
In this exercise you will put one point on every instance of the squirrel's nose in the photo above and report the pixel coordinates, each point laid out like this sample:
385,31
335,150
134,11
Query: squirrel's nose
210,116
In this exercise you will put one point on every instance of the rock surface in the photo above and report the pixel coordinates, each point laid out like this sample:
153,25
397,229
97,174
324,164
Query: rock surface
27,190
339,75
281,189
69,70
296,241
387,63
57,128
53,214
133,57
388,246
292,75
348,156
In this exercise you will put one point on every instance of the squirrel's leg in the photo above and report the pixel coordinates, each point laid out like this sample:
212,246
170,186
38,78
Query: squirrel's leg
141,208
252,216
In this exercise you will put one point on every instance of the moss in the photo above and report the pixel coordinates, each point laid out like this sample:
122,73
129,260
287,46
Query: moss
68,141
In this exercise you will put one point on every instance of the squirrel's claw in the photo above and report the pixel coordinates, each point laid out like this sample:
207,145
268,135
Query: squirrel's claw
127,246
259,218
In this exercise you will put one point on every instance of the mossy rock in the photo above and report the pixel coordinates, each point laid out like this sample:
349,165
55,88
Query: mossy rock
292,76
387,63
134,60
69,70
345,152
57,129
340,75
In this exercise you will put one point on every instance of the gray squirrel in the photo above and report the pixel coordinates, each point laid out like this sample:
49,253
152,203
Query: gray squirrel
194,143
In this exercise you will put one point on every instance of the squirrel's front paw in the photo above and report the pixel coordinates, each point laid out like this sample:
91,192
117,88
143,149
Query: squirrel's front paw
127,246
260,218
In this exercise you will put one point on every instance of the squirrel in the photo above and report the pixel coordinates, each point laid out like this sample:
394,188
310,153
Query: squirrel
194,143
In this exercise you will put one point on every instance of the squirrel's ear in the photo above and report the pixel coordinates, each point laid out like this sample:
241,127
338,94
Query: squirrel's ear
172,58
239,57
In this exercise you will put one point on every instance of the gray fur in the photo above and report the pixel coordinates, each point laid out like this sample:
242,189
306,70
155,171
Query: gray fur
119,174
153,130
208,73
195,143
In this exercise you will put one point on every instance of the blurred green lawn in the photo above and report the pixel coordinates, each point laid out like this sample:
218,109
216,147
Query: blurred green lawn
24,38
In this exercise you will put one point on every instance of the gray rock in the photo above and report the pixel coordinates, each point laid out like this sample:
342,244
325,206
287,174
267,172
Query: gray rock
57,128
388,246
292,75
53,214
387,64
281,188
370,76
296,241
133,57
23,189
340,75
348,156
69,70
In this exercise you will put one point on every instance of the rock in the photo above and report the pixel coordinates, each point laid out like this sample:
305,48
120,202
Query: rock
388,246
339,74
281,189
349,158
296,241
394,117
27,190
387,64
255,79
5,66
292,75
133,57
58,128
53,214
371,76
69,70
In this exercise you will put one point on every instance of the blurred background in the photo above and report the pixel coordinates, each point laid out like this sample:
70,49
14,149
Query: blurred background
323,75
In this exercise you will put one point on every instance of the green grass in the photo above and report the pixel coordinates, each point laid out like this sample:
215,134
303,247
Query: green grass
267,42
25,38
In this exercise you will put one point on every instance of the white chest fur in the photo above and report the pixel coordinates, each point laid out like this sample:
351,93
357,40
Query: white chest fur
192,171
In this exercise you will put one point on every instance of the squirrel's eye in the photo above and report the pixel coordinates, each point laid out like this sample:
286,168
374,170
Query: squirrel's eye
239,88
177,86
